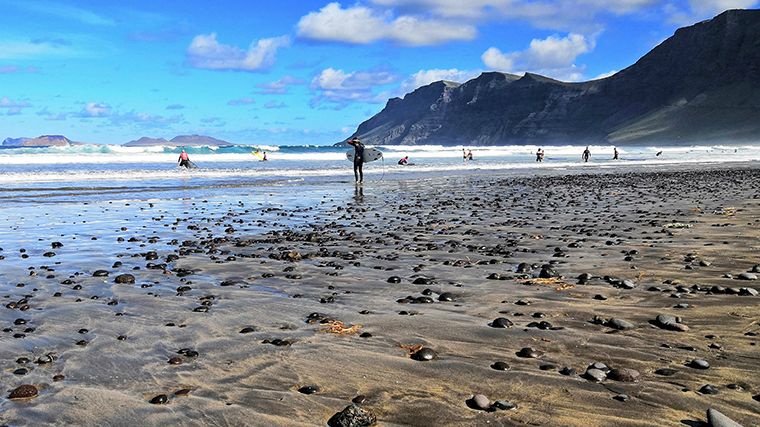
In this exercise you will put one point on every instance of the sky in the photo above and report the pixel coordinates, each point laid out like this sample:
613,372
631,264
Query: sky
293,72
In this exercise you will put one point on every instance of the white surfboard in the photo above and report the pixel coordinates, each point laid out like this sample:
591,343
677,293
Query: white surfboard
370,155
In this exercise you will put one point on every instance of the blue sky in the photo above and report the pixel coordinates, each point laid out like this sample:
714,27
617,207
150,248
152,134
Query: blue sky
292,71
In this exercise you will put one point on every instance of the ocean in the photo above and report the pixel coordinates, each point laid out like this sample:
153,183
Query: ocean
23,171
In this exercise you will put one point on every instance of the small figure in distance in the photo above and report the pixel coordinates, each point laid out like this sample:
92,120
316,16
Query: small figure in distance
658,153
464,155
358,159
469,154
540,155
264,159
184,159
615,153
404,161
586,155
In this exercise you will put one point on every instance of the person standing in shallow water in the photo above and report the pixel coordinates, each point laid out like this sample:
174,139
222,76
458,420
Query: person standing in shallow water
540,155
615,153
586,155
184,159
358,159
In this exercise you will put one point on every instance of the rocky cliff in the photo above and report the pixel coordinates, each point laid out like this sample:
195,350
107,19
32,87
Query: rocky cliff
700,85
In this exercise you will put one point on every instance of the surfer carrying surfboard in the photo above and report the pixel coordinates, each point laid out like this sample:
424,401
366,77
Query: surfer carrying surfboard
358,159
184,159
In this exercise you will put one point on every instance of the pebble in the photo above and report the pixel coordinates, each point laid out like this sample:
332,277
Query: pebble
501,322
666,372
504,405
620,324
708,389
530,352
425,354
625,375
446,297
160,399
124,279
481,402
352,416
699,364
501,366
595,375
747,276
309,389
24,391
672,323
718,419
568,371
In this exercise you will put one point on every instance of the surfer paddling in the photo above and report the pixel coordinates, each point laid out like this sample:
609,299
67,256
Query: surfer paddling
184,159
358,159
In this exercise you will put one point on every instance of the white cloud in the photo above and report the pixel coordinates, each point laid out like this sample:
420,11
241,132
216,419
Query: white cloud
553,56
95,109
552,14
340,87
425,77
240,101
206,52
12,107
712,7
280,86
12,49
363,25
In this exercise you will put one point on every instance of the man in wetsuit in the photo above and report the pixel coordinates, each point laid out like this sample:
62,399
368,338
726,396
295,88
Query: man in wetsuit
615,154
184,159
586,155
358,159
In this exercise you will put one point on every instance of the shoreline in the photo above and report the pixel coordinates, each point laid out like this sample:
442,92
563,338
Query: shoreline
253,265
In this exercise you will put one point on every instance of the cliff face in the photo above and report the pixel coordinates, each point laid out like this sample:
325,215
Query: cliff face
700,85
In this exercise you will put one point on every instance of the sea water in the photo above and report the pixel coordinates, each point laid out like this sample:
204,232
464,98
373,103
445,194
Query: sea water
41,172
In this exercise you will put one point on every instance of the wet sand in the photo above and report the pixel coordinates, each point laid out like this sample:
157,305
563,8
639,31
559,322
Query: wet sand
235,305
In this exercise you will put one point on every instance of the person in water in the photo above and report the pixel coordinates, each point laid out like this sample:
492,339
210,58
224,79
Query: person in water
586,155
404,161
358,159
540,155
184,159
264,159
464,155
469,154
615,153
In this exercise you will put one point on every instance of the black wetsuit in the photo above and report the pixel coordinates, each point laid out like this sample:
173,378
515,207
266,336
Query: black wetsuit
358,161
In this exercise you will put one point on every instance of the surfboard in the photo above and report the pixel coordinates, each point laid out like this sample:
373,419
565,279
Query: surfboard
370,155
258,154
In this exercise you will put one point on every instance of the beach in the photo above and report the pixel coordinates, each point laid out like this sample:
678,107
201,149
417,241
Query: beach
280,304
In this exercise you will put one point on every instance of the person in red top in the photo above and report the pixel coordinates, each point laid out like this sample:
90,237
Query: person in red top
184,159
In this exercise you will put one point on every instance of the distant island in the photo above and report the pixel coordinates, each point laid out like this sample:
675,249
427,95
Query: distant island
62,141
40,141
702,85
181,140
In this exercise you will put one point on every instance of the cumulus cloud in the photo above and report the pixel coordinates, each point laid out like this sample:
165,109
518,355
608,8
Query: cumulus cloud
551,14
340,87
13,107
425,77
553,56
240,101
278,87
95,110
206,52
363,25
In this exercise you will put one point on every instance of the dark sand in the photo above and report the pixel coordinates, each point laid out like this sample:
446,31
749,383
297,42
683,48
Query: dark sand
335,258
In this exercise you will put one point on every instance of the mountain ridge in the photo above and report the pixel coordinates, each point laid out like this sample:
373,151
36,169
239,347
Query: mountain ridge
699,85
